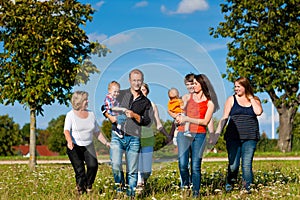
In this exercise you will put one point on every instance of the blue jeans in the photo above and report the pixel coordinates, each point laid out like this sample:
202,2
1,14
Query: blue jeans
240,150
197,144
145,164
131,146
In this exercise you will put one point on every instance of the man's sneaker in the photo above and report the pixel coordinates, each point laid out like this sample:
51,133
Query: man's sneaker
118,133
187,134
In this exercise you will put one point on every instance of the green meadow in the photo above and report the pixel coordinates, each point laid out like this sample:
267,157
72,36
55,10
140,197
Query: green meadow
272,180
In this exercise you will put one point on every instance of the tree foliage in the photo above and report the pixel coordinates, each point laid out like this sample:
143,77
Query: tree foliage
296,126
56,141
42,137
106,128
160,139
296,133
45,51
265,47
25,133
45,54
9,135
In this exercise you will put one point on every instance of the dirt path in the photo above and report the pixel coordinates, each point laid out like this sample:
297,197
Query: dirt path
11,162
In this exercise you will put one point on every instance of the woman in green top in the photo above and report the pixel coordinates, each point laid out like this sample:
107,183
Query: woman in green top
148,141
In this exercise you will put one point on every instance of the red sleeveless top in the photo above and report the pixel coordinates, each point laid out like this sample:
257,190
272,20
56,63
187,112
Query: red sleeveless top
195,110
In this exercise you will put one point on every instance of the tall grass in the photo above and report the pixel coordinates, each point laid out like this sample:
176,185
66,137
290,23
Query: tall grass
272,180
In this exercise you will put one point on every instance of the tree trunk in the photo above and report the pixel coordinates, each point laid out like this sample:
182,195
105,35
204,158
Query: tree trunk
285,129
32,146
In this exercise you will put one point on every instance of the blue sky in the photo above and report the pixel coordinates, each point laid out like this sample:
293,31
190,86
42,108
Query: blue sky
166,39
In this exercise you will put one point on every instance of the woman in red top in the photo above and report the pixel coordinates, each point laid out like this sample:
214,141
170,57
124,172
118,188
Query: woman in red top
199,110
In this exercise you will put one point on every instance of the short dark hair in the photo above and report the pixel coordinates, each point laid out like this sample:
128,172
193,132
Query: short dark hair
189,77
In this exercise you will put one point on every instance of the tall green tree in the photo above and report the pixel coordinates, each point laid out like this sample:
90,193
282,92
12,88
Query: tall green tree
56,140
265,47
45,54
9,135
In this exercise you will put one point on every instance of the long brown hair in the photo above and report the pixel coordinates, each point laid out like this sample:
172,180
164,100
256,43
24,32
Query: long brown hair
147,87
208,90
246,84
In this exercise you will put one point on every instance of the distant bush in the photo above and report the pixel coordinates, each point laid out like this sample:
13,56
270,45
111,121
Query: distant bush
266,145
296,144
270,145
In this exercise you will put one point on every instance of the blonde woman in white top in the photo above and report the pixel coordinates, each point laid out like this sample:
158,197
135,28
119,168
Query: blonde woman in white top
79,128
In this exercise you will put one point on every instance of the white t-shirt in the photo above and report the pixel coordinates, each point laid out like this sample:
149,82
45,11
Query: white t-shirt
81,130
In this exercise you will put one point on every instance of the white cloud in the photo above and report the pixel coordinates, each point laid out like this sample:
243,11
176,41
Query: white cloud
141,4
96,36
187,7
214,46
163,9
100,3
267,119
120,38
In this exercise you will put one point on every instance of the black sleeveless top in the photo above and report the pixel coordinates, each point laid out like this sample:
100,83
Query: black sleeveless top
243,123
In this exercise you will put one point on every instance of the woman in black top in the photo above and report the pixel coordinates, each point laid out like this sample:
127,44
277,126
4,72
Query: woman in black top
242,132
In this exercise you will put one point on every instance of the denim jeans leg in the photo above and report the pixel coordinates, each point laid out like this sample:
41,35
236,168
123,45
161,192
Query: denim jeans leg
91,165
116,154
77,160
183,144
234,154
132,160
247,151
145,163
198,146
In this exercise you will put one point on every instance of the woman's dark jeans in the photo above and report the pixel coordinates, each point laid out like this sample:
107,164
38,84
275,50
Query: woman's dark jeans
240,150
79,156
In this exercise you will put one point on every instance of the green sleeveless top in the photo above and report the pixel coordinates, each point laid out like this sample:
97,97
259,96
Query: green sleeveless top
147,137
147,133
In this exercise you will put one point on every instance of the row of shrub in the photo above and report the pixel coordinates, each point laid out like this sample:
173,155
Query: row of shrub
264,144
